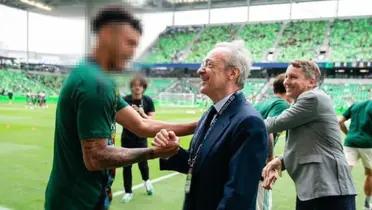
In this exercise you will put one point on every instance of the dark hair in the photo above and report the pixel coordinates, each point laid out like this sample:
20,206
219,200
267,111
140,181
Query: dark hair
139,78
115,14
278,86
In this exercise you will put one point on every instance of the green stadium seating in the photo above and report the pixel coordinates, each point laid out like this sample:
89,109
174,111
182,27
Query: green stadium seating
351,40
21,83
210,36
259,38
252,88
301,40
170,43
345,93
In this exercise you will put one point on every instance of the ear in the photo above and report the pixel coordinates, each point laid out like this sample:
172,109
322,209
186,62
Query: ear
312,83
234,73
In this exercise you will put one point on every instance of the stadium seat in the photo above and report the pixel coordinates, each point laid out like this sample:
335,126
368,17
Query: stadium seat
170,44
210,36
21,83
301,40
351,40
259,38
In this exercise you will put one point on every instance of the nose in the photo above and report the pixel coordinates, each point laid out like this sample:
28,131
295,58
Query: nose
201,69
285,82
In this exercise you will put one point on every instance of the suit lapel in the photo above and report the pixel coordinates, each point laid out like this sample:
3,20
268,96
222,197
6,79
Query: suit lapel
217,130
213,137
199,129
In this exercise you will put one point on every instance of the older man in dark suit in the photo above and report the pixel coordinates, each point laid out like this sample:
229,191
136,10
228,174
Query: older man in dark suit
229,147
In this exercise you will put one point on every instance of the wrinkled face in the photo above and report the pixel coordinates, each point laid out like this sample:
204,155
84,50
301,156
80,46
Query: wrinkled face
121,41
214,73
296,82
137,88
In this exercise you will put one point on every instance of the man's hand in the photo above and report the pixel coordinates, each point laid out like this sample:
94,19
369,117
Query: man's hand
141,111
135,107
165,138
271,173
165,143
269,181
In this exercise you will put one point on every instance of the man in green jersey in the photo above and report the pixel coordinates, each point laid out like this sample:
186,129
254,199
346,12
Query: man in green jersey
270,108
88,108
358,142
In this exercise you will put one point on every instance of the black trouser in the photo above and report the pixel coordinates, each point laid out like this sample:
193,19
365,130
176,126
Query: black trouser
143,165
344,202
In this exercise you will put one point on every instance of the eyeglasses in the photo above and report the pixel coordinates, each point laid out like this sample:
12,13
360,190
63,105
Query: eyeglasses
206,63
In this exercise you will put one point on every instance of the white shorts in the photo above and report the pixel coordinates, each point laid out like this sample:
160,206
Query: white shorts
264,198
353,154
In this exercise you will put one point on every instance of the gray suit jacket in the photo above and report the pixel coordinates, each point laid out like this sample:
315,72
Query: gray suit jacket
313,154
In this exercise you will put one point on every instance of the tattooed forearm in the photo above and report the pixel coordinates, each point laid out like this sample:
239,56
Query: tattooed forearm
97,155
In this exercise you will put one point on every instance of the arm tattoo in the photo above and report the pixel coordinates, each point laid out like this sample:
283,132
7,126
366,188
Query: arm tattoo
98,156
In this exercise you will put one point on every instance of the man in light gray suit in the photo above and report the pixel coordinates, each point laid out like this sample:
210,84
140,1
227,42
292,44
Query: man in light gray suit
313,154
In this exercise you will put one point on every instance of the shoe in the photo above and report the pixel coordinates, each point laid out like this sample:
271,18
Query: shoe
148,187
367,206
127,197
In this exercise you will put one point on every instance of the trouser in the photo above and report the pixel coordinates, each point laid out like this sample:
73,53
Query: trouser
143,165
342,202
127,175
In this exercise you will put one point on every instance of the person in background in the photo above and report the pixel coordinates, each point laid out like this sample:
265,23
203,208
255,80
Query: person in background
10,96
358,142
270,108
313,154
145,107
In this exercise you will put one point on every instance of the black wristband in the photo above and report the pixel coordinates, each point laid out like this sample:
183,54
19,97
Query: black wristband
151,153
282,162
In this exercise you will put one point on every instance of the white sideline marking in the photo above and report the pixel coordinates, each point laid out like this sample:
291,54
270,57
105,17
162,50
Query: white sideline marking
3,208
141,185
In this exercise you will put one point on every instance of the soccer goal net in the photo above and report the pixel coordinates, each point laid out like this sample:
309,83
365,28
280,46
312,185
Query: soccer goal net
177,99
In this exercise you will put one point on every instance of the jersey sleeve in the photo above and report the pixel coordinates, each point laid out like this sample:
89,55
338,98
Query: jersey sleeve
121,103
94,113
277,109
347,113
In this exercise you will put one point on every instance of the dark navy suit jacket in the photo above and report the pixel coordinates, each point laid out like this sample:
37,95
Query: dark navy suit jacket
227,171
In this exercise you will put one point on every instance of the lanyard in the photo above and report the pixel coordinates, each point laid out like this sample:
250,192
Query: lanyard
141,102
193,158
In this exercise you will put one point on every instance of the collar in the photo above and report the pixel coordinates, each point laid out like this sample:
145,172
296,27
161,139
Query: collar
218,106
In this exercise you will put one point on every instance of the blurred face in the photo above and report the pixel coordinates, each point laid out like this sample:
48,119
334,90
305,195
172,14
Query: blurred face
296,82
214,74
137,88
121,41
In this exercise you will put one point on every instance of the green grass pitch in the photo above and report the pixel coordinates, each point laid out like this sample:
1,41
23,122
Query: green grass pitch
26,149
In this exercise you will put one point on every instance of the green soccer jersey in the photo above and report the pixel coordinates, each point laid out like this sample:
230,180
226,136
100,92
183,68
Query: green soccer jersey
272,107
86,110
360,129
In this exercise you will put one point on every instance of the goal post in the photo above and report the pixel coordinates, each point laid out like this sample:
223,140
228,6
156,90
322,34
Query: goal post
177,99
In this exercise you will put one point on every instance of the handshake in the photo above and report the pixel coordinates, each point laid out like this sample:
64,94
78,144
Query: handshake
165,144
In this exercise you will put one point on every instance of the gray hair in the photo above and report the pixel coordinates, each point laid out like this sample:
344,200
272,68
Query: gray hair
310,69
240,58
